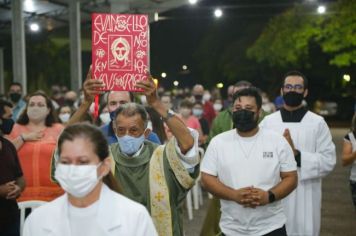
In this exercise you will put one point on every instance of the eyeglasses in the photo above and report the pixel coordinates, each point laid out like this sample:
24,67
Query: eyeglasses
296,87
133,131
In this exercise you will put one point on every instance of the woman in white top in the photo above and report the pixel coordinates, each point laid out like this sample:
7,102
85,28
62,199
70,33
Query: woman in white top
349,157
90,206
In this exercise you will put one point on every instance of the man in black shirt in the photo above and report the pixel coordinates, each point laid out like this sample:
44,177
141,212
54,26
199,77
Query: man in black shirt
11,178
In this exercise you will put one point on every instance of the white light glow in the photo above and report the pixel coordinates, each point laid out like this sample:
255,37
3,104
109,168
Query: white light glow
184,67
193,2
28,5
219,85
175,83
218,13
34,27
163,74
156,16
347,77
321,9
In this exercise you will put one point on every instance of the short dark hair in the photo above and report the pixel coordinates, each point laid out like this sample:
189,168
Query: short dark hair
243,83
186,103
131,109
16,83
3,104
249,92
296,73
52,116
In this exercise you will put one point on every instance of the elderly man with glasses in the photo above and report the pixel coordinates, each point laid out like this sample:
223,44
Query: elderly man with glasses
311,141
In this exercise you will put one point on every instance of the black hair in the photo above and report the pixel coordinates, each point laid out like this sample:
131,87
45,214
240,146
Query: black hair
243,83
186,103
16,83
249,92
296,73
3,104
157,124
100,146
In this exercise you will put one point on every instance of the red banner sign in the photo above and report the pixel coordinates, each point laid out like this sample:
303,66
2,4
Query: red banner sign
120,50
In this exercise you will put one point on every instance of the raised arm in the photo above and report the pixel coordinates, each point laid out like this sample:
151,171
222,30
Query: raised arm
177,127
90,88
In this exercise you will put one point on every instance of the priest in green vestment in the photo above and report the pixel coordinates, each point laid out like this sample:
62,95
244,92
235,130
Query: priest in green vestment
157,176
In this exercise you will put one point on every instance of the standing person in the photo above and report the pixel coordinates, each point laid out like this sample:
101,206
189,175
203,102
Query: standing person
349,157
185,113
35,136
222,122
12,182
311,141
197,111
92,204
158,177
250,170
198,93
15,96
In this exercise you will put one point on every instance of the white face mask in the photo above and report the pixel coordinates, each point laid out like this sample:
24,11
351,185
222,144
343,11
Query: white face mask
64,117
217,106
105,117
206,97
37,113
77,180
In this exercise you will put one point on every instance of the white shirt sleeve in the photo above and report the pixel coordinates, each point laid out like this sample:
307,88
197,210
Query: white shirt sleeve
321,162
191,158
286,157
209,164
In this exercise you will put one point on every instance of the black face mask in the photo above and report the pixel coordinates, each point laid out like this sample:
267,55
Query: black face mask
198,97
244,120
6,125
293,99
15,97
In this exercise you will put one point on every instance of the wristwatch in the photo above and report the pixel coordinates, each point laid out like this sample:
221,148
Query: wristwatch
271,196
169,115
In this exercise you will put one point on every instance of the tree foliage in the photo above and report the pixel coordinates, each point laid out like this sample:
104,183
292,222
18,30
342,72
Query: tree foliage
287,38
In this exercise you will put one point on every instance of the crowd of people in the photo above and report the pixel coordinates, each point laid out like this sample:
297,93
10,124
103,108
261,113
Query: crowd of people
128,170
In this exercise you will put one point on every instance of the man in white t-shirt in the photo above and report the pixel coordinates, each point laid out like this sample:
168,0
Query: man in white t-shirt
250,170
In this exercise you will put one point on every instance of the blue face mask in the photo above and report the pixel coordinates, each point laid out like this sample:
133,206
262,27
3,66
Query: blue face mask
130,145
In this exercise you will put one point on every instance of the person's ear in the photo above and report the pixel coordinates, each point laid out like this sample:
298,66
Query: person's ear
105,167
305,93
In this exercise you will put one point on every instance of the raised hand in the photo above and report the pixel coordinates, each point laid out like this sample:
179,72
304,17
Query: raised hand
149,89
91,87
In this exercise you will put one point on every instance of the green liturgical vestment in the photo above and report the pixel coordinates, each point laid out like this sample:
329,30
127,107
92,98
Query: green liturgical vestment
139,175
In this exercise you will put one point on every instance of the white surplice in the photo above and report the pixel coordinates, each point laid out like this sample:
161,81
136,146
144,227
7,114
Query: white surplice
313,139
